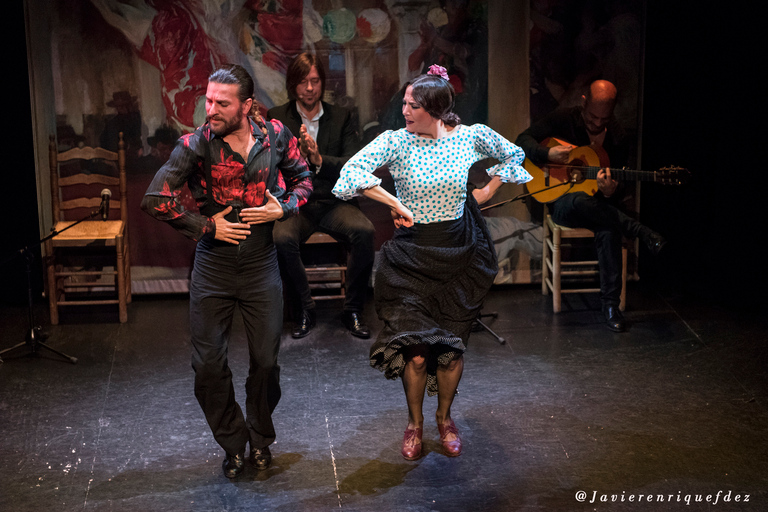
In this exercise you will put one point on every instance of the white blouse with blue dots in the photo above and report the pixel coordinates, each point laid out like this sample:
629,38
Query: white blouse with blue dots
431,174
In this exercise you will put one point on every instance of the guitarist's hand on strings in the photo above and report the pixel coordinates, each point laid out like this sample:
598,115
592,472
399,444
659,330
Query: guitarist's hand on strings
560,154
605,183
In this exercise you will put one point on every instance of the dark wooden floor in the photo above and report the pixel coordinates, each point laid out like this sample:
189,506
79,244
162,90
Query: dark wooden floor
673,411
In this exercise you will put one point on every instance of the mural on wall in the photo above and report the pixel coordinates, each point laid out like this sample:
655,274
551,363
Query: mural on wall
141,67
160,53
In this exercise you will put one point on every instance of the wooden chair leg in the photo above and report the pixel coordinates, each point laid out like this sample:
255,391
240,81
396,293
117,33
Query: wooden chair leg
53,292
623,299
120,284
127,260
556,271
545,260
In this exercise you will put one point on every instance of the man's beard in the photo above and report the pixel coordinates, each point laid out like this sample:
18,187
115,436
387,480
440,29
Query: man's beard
306,106
227,125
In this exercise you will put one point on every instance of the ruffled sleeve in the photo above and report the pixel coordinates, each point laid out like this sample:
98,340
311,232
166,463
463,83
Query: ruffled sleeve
510,157
357,173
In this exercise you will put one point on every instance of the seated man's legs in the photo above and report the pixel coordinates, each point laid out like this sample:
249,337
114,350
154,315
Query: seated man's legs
288,236
579,210
349,225
584,211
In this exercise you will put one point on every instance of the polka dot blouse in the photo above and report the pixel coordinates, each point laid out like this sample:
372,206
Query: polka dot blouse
431,174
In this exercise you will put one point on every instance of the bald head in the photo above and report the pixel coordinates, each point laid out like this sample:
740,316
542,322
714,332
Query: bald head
601,91
597,105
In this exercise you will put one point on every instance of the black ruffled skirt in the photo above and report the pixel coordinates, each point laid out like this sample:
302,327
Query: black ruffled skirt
430,285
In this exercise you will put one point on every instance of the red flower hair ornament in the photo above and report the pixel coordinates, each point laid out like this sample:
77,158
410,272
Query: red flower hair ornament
437,70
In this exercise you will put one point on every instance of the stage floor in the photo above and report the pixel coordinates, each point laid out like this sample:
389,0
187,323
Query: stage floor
658,418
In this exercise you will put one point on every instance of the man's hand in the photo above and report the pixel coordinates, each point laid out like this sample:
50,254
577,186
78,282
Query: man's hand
401,215
605,183
559,154
229,231
271,210
308,147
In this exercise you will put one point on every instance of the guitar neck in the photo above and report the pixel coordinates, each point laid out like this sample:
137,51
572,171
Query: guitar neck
590,173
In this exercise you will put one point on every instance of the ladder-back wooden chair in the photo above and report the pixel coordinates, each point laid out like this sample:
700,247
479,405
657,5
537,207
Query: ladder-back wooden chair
557,268
327,280
87,262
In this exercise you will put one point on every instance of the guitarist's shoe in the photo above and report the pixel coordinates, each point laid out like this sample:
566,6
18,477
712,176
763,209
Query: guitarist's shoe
654,242
614,319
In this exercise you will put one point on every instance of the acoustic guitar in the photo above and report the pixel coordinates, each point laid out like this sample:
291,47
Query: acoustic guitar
579,174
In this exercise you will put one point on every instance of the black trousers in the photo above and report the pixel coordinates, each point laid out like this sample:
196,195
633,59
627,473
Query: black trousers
580,210
344,222
224,277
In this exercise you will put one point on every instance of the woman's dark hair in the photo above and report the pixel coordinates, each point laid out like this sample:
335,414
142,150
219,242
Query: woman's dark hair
234,74
436,96
298,70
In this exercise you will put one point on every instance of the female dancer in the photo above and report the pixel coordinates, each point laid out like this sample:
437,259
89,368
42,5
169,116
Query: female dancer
437,269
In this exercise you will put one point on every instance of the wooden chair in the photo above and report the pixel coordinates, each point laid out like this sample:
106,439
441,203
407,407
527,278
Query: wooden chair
326,280
88,263
556,270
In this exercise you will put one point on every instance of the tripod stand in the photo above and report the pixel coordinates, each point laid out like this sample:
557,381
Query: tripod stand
35,337
479,324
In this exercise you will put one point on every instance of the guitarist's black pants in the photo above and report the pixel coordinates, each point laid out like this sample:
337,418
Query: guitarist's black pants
595,213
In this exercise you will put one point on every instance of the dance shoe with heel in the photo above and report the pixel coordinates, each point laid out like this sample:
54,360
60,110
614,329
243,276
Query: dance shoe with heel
411,449
452,447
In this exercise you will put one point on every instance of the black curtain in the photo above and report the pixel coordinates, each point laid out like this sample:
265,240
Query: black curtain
20,215
704,109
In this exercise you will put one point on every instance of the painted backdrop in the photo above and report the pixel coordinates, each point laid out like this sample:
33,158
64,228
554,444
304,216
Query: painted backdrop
141,67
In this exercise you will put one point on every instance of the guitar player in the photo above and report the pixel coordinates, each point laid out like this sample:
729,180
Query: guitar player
592,124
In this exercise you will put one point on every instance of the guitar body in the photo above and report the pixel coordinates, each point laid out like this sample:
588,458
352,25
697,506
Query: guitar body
554,174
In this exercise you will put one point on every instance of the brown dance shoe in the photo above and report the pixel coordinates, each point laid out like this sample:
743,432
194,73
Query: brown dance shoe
411,450
452,448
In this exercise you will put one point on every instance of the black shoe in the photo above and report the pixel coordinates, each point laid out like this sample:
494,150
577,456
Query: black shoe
654,242
261,458
614,319
354,325
306,323
233,465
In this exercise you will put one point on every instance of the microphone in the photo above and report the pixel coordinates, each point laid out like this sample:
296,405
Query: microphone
104,208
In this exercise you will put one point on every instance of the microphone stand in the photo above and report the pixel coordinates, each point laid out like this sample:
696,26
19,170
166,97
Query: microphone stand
479,320
570,182
35,337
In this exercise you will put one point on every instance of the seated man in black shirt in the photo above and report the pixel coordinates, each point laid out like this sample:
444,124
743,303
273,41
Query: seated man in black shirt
327,139
592,124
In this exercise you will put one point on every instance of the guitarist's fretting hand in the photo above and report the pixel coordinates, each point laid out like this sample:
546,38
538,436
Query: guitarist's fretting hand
605,183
